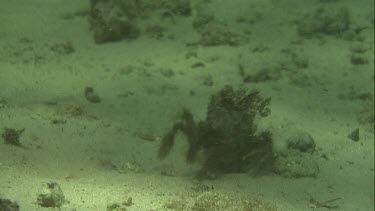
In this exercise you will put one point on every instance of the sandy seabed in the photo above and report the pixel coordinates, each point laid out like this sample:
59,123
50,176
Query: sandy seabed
99,154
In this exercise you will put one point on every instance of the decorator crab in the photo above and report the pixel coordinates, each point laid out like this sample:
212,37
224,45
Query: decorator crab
227,137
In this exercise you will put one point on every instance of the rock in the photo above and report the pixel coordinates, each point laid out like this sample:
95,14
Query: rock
90,95
354,135
8,205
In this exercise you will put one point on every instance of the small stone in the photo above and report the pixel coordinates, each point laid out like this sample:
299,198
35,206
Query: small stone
354,135
8,205
91,96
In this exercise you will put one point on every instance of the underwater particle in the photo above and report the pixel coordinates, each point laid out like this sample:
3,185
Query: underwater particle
91,96
354,135
54,197
8,205
12,136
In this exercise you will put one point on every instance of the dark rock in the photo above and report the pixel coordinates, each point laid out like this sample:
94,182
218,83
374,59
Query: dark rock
8,205
354,135
91,96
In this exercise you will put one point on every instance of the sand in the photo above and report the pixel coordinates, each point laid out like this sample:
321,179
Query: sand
95,151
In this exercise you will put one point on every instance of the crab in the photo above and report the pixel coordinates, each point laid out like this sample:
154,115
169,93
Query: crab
228,136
